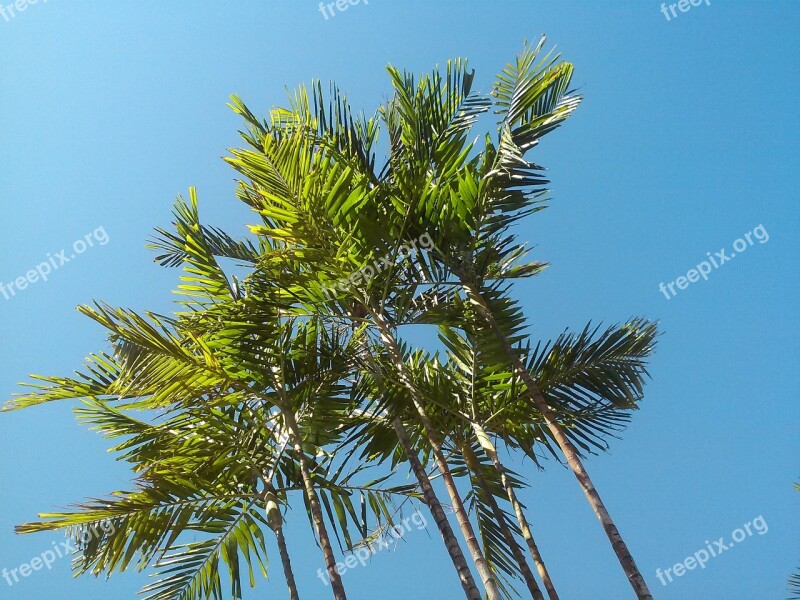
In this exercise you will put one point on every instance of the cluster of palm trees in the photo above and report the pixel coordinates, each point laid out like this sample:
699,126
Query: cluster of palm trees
264,388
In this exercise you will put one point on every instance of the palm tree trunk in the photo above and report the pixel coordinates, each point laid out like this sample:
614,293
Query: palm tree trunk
474,465
275,522
491,452
313,501
489,582
287,564
617,543
451,542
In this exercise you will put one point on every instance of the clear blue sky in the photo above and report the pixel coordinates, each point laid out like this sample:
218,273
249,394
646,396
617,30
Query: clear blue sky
687,139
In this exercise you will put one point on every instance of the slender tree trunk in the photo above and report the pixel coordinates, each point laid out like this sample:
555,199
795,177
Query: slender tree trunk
617,543
474,465
491,452
287,564
489,582
313,501
451,542
275,521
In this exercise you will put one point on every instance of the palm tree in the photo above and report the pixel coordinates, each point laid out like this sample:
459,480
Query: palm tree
481,389
257,348
312,178
187,481
198,472
289,181
432,435
376,428
229,405
492,523
275,522
307,350
432,184
267,283
501,549
487,492
485,400
466,202
288,406
595,377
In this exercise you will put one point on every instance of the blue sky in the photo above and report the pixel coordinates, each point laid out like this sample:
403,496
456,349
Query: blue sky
686,140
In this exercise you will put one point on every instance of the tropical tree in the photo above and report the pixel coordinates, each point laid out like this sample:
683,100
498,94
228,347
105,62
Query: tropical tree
383,436
467,202
234,381
454,416
577,370
307,202
433,184
486,488
197,472
274,283
301,366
